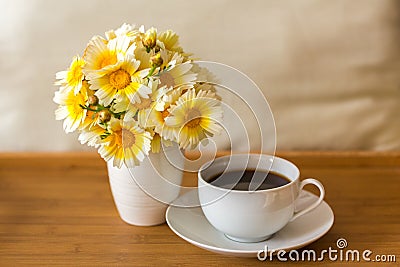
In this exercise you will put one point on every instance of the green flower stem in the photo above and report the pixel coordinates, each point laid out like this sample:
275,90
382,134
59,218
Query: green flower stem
101,107
153,68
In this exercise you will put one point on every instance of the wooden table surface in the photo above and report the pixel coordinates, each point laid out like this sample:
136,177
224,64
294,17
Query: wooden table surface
57,209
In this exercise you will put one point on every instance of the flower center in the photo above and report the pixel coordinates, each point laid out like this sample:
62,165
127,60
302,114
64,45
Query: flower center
120,79
75,75
128,138
145,103
167,79
75,109
164,114
85,84
193,118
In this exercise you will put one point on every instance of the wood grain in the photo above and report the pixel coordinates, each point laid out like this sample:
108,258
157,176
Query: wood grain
57,209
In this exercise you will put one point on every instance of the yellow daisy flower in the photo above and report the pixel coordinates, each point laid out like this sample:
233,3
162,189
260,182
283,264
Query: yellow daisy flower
124,105
170,40
143,57
158,142
147,46
195,117
71,79
177,75
92,136
141,111
154,102
137,111
119,81
101,53
91,118
70,109
169,59
159,113
125,143
205,79
149,39
175,59
125,30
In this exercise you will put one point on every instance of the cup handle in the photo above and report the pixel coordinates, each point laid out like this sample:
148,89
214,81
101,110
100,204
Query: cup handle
313,205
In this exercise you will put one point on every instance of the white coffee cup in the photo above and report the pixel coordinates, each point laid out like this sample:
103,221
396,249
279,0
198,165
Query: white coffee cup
252,215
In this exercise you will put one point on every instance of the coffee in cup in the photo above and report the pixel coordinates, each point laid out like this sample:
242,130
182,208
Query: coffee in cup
243,212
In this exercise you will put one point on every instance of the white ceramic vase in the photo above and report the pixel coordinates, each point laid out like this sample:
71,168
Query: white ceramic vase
142,194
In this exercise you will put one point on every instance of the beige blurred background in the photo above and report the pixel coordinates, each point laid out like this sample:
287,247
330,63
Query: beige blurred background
329,69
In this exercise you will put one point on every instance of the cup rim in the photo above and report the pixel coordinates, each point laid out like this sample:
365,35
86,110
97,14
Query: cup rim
209,163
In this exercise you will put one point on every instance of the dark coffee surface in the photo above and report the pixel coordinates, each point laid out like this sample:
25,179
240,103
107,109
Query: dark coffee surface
240,180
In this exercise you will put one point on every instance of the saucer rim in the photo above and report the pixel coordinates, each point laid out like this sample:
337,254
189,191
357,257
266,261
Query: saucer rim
242,252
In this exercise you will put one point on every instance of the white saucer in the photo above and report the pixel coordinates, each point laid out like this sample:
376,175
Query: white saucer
191,225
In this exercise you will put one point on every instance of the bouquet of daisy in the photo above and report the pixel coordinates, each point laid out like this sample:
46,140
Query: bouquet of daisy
133,91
